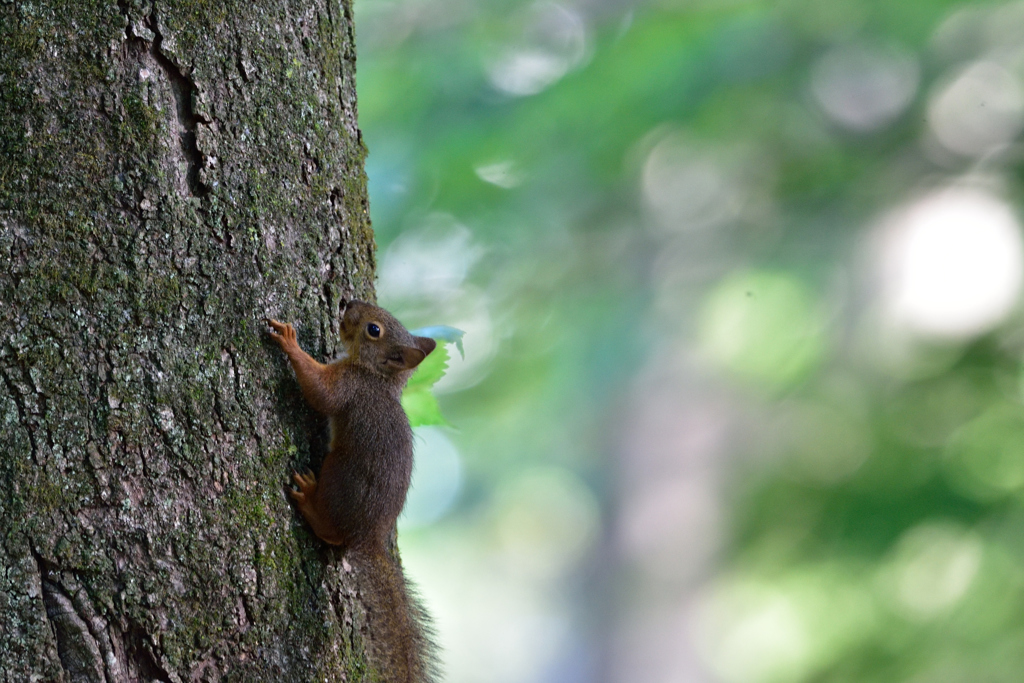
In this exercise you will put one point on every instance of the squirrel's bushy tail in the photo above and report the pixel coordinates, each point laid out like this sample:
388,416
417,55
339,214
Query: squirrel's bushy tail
400,642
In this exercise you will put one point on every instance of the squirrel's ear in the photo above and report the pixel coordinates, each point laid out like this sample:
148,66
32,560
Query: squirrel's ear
425,344
410,358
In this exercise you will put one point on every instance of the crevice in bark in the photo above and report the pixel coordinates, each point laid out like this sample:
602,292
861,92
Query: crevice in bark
240,64
140,650
19,402
184,90
77,649
227,239
97,626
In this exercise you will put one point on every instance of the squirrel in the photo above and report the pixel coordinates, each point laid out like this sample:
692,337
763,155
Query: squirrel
361,489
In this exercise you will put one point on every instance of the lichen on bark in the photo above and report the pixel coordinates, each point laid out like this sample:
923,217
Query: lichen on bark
171,173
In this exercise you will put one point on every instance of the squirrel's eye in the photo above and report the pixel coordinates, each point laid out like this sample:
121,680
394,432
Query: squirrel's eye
373,330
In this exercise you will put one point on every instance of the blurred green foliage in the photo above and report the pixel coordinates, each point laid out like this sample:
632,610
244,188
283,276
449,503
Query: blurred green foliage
632,187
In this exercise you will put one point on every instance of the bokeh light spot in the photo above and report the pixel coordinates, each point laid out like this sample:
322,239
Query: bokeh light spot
981,108
985,457
502,174
686,188
767,642
553,42
762,326
932,568
863,89
751,630
954,263
431,262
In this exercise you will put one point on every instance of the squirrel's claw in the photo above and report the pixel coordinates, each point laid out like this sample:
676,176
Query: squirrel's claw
307,485
283,334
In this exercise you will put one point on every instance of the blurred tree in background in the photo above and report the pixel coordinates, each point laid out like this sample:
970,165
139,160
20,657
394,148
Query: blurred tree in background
742,391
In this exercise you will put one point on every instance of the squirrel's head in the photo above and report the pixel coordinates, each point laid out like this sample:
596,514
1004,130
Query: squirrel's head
375,340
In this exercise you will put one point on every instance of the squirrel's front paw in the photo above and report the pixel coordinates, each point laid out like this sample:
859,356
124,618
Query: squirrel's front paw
307,486
283,334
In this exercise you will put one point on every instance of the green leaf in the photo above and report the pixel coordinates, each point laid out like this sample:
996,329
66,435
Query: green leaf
430,370
422,408
419,402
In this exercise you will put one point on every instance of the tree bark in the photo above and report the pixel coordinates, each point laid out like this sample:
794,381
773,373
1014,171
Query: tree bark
170,173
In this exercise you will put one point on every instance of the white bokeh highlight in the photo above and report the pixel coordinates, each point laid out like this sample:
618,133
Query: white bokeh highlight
503,174
952,263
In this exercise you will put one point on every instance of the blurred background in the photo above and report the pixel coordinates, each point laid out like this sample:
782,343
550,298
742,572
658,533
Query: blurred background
742,392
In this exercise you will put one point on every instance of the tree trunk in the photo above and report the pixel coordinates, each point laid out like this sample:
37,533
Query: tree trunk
170,173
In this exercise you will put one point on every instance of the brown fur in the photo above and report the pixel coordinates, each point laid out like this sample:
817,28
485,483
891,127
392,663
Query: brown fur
363,481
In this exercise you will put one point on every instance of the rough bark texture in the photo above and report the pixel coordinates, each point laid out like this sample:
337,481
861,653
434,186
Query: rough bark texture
170,173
